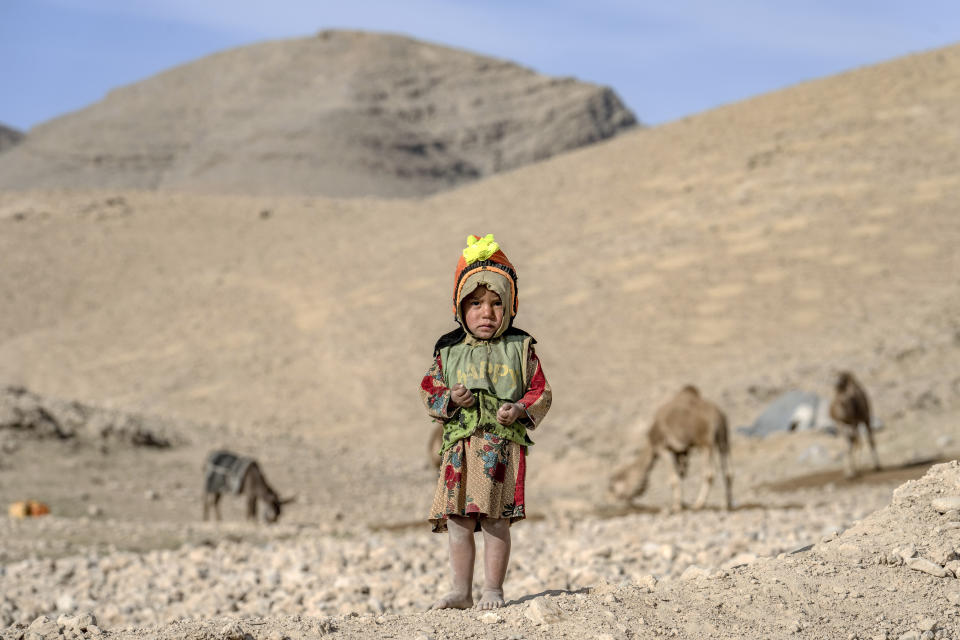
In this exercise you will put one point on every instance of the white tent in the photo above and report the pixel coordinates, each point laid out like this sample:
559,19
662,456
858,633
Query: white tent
794,410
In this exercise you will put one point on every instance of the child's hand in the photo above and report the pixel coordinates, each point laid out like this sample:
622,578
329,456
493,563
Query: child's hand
461,396
509,413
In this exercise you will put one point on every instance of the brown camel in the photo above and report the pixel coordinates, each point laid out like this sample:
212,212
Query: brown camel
686,421
850,408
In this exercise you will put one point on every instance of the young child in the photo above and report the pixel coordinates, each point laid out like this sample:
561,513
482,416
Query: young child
487,388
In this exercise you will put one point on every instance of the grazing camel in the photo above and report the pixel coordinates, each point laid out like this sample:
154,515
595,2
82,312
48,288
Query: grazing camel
850,408
684,422
434,445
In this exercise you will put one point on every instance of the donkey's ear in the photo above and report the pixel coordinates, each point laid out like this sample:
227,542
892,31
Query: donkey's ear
288,500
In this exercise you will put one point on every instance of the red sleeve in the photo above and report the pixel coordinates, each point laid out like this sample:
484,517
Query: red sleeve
434,393
538,397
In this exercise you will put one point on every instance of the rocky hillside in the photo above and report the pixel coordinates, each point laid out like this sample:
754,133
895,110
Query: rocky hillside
9,137
339,114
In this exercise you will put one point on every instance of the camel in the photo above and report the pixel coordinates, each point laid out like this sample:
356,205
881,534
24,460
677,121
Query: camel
850,408
684,422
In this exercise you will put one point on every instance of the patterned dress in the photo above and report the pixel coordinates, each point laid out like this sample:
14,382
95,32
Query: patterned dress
483,474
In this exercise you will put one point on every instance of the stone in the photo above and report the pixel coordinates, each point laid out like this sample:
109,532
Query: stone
86,620
694,572
66,620
945,504
925,566
490,617
233,631
927,624
66,602
907,552
942,554
44,625
376,606
648,582
953,567
544,611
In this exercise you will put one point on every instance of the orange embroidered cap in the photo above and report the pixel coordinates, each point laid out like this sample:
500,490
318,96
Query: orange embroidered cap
483,262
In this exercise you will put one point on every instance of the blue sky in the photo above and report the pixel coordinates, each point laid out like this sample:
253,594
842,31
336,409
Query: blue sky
665,59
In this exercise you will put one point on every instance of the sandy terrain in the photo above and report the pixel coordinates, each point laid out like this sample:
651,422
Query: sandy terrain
749,250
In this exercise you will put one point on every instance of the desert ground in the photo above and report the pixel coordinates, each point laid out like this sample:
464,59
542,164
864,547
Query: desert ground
749,250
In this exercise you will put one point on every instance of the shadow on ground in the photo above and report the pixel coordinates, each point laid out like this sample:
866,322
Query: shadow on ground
892,475
549,592
619,510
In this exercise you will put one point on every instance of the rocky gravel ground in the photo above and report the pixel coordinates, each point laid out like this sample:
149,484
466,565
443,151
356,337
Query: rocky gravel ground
378,572
124,553
829,571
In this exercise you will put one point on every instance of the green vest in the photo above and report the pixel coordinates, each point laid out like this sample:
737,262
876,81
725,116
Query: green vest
496,372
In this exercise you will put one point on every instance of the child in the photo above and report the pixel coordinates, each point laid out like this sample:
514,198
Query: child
487,388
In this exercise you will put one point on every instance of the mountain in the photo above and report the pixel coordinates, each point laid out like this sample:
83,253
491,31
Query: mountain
339,114
9,137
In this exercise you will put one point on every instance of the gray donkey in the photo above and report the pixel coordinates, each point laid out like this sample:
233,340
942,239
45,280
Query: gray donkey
227,472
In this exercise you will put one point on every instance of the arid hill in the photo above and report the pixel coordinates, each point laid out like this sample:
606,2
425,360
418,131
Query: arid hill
9,137
339,114
764,242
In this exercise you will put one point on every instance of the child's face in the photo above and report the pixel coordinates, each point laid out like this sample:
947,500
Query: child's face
482,311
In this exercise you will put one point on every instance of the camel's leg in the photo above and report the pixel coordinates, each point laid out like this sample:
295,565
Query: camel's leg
873,447
727,478
251,506
216,506
851,468
206,506
644,465
676,480
707,479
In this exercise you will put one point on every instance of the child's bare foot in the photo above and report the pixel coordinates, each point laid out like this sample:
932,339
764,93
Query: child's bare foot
453,601
491,599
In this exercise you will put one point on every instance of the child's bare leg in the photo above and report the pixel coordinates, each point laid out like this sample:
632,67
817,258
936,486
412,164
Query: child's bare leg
496,556
462,554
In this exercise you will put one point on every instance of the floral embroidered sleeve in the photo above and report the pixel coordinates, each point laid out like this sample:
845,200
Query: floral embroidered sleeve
434,393
538,397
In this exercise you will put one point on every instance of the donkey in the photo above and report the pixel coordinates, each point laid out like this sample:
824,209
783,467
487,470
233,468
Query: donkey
684,422
850,408
225,472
